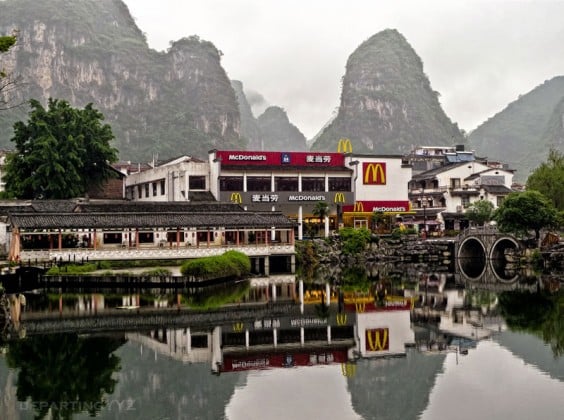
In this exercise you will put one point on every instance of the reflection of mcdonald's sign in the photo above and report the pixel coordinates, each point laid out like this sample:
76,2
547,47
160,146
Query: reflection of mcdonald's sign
339,198
374,173
378,339
238,327
236,198
344,146
358,207
360,307
348,369
341,319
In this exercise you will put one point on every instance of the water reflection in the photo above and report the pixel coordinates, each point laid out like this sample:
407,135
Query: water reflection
277,347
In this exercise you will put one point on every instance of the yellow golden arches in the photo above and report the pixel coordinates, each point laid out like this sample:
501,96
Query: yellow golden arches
358,207
348,369
341,319
378,339
339,198
238,327
375,173
360,307
344,146
236,198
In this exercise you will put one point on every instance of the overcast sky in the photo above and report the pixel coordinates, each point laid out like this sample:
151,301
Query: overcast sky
480,55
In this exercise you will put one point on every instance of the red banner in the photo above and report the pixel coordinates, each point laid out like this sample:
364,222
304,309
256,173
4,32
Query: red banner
379,206
309,159
278,360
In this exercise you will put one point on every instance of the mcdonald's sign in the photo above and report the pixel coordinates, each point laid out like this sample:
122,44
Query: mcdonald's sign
341,319
238,327
344,146
378,339
360,307
236,198
339,198
374,173
348,369
358,207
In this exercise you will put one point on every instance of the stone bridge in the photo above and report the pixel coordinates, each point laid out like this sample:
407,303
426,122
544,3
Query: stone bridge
486,252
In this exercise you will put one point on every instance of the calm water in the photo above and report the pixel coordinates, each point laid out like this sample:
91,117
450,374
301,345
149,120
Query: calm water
466,354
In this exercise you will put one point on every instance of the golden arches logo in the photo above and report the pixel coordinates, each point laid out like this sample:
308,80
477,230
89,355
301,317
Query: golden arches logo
348,369
360,307
375,173
238,327
236,198
344,146
358,207
341,319
339,198
378,339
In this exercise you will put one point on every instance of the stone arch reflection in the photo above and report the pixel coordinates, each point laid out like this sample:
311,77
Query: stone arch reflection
472,258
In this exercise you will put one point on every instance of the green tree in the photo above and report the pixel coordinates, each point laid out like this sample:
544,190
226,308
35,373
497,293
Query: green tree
6,42
548,179
321,210
524,211
61,152
480,212
64,374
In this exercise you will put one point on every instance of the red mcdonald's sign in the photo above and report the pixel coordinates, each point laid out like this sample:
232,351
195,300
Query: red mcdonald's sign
378,339
374,173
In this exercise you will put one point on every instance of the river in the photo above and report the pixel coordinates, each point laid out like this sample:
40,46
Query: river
462,352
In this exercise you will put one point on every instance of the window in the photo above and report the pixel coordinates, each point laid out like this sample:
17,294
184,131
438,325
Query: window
465,201
146,237
231,183
197,182
112,238
139,191
455,183
146,190
285,183
339,184
499,200
162,182
258,183
154,188
313,184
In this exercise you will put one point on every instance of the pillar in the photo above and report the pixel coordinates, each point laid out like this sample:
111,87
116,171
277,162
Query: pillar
273,292
327,294
300,223
329,334
275,337
247,340
267,265
302,336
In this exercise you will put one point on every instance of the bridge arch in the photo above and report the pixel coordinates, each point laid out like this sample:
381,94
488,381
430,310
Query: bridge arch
472,257
498,259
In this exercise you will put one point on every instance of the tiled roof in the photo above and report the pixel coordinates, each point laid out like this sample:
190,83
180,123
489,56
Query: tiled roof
497,189
228,220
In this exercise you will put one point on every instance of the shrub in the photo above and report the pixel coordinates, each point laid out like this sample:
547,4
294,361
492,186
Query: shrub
229,264
354,240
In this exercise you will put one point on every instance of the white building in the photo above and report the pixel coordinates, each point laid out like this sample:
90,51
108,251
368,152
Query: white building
441,196
175,180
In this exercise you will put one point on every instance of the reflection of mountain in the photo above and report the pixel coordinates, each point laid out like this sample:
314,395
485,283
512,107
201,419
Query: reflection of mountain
161,386
533,351
396,388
